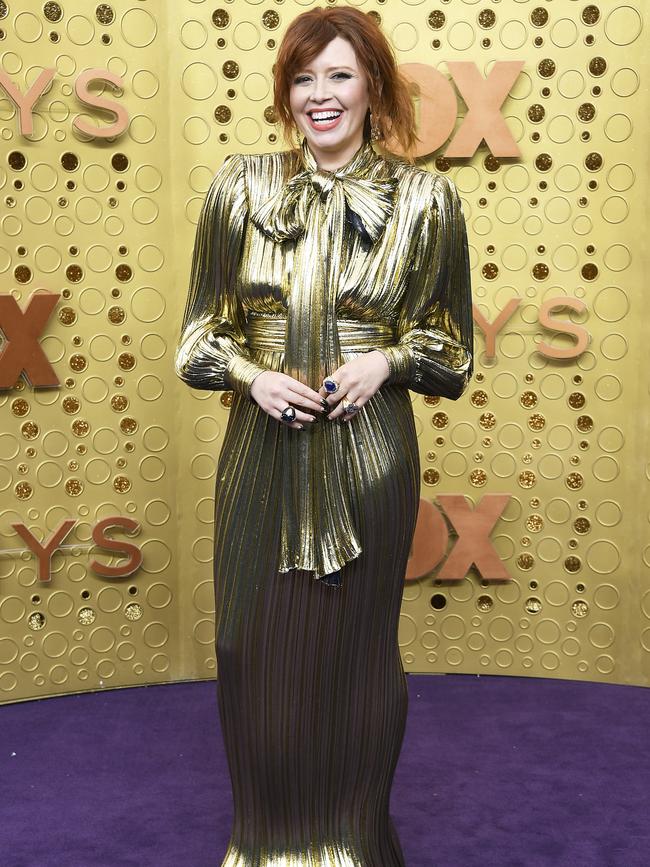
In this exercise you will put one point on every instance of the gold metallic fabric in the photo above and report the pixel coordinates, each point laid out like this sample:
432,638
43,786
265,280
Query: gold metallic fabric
311,688
317,528
320,247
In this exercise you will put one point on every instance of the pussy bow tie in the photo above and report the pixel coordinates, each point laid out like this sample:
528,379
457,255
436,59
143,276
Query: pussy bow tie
312,208
366,202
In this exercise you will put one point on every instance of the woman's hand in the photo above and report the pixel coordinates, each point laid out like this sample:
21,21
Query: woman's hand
274,391
358,380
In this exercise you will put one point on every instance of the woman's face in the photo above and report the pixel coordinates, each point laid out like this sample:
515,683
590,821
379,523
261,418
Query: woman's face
329,101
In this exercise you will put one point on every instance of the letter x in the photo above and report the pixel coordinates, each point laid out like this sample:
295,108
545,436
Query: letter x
473,528
22,351
484,98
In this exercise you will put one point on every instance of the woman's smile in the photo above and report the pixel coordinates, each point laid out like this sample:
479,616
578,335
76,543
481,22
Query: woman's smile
324,120
329,102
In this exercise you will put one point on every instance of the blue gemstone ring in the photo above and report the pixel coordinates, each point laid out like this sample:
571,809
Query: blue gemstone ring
288,414
330,385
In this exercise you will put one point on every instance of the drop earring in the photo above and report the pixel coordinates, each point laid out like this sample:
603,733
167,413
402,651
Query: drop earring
375,131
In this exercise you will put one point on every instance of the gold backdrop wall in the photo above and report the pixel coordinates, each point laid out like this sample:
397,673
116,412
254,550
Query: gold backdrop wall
109,224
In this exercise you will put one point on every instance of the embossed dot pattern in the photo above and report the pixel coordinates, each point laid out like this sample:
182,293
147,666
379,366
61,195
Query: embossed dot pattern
110,225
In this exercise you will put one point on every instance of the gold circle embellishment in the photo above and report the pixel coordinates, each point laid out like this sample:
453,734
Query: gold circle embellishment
105,14
580,608
539,17
30,430
528,399
525,561
574,481
540,271
597,66
270,19
123,273
23,490
486,18
487,420
582,525
478,478
71,405
590,14
126,361
536,421
80,427
534,523
526,479
86,616
484,603
119,402
20,406
431,476
116,315
230,69
572,564
436,20
73,487
533,605
546,67
128,425
36,621
74,273
220,18
133,611
121,484
67,316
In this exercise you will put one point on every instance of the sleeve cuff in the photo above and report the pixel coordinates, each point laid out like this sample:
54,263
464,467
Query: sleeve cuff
240,373
401,364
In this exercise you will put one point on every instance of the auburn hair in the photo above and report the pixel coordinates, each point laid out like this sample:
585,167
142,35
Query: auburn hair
388,91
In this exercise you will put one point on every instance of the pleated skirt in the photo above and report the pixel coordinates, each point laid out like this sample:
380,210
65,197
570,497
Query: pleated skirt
311,691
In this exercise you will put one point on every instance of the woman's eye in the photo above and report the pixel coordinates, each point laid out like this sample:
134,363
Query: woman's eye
301,78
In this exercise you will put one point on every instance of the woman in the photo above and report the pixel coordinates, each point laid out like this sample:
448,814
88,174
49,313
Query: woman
326,282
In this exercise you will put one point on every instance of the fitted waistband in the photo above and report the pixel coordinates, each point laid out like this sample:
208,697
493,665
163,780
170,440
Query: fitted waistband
269,332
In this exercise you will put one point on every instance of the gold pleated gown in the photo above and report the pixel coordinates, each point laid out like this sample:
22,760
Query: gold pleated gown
313,528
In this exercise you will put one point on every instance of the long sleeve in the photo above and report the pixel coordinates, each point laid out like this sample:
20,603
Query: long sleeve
434,354
212,352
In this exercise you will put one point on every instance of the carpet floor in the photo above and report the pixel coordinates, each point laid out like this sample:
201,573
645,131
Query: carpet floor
494,772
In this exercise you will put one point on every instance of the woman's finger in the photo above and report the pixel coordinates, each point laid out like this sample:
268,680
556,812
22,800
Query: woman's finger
305,396
302,419
339,411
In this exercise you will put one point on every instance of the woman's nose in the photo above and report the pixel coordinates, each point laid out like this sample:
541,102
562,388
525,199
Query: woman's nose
319,89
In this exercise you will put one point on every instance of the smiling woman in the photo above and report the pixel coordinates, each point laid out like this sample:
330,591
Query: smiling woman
327,280
329,101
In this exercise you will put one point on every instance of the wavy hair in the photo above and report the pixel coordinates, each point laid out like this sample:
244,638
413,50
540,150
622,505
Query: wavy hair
388,91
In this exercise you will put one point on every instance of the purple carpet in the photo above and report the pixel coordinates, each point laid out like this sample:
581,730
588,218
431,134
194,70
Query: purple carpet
495,772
